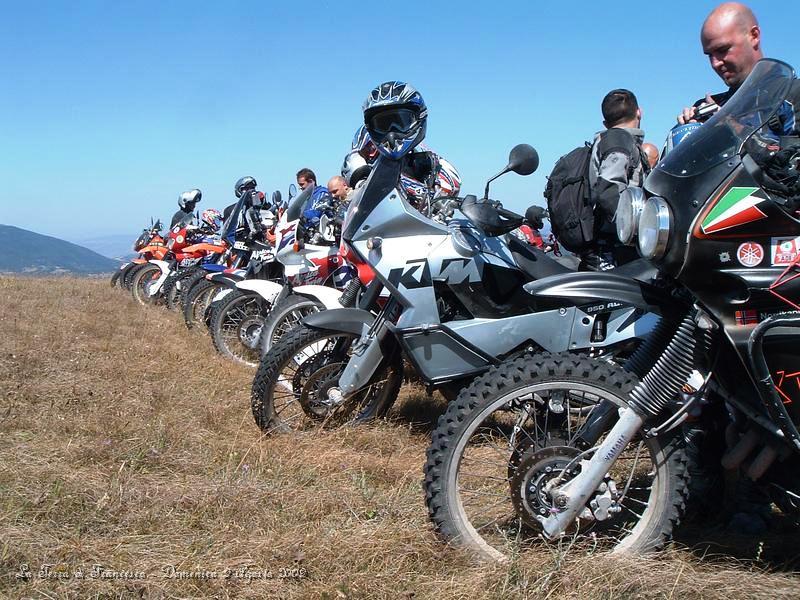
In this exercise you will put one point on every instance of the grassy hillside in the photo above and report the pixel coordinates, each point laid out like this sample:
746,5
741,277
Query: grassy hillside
125,442
28,252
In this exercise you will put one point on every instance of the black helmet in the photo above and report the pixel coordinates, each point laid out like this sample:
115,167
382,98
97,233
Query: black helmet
245,184
395,116
535,216
188,200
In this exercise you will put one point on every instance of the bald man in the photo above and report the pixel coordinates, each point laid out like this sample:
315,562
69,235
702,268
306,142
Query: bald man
731,38
338,187
651,152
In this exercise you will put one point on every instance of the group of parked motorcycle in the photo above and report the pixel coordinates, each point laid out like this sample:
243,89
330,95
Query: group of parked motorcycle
579,402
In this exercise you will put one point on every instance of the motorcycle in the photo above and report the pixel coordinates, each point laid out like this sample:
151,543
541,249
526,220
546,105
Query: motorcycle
306,266
457,304
247,238
150,244
550,445
187,245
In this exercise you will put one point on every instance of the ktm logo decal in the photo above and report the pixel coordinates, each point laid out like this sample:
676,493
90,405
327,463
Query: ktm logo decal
416,274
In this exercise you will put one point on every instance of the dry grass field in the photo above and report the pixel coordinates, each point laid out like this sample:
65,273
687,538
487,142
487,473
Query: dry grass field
128,455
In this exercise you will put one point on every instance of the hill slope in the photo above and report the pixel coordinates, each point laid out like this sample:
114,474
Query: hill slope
126,442
28,252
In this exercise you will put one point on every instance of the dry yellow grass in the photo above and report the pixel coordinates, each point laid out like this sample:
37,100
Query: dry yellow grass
126,442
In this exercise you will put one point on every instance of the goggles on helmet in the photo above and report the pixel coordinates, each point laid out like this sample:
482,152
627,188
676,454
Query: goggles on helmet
398,120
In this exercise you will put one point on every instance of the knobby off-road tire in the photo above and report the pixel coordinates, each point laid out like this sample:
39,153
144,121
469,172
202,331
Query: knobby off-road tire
127,278
187,286
236,326
197,300
473,414
284,317
300,368
170,290
144,276
115,277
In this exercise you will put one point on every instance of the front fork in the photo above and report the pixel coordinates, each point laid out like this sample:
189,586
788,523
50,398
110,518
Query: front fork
571,498
369,354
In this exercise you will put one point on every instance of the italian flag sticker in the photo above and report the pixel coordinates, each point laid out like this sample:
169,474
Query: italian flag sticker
738,206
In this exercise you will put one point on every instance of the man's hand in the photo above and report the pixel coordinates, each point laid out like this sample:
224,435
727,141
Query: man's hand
688,114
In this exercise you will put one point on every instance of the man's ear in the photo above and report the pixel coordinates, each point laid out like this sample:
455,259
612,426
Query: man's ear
755,37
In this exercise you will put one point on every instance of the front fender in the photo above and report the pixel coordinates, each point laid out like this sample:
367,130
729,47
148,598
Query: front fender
600,288
161,264
268,290
223,279
349,320
328,296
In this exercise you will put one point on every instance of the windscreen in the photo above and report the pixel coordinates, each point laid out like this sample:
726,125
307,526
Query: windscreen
722,137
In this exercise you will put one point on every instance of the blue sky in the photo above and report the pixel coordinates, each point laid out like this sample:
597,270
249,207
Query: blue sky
108,110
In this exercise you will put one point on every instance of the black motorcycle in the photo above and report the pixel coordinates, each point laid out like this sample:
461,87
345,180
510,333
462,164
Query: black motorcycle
558,444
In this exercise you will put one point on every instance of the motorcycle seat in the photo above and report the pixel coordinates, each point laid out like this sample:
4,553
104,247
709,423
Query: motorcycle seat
533,262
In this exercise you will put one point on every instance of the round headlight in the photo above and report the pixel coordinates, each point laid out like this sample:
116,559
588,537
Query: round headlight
631,201
654,224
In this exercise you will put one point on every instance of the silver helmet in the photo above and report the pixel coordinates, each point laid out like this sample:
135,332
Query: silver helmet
355,168
188,200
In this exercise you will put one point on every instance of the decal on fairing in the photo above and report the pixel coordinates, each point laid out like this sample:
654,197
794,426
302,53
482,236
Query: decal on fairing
738,206
750,254
784,251
287,236
786,383
458,270
416,274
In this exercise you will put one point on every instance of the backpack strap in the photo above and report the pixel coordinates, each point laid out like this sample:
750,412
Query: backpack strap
619,140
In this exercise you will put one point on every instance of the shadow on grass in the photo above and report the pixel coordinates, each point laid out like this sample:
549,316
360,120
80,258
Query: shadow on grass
418,409
778,549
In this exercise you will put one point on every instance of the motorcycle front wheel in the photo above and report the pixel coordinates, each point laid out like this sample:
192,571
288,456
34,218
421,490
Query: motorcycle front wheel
236,326
514,433
284,317
144,277
290,390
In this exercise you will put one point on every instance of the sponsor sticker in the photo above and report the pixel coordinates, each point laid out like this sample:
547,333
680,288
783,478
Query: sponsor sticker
750,254
738,206
784,250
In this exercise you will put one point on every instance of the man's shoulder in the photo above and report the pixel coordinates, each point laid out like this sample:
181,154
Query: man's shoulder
615,139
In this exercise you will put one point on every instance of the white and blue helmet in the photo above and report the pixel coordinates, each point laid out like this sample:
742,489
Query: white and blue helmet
395,117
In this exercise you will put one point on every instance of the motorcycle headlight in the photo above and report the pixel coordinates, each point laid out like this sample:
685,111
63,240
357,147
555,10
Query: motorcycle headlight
631,202
654,225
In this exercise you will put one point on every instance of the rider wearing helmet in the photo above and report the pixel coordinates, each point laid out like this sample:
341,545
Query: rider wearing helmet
186,203
211,218
395,118
244,184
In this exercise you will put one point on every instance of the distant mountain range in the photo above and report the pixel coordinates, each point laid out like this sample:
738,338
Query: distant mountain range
28,252
113,246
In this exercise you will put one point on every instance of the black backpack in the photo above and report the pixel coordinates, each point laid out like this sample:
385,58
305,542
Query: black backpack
569,202
569,193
